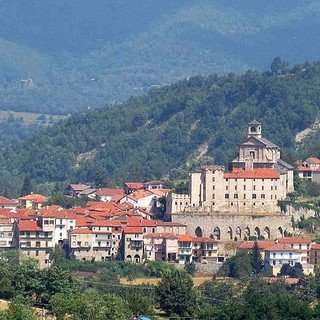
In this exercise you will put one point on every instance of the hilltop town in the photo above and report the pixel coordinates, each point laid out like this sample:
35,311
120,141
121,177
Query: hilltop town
222,213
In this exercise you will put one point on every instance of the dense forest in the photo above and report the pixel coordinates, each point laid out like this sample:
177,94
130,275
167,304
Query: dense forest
59,57
171,130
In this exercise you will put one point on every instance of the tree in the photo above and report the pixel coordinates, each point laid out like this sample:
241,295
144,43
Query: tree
190,268
295,271
256,260
26,187
176,294
19,310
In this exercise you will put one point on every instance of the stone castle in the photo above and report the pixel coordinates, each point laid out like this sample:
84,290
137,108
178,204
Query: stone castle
242,203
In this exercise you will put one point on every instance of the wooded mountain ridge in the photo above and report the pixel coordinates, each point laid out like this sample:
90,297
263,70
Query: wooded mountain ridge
172,130
60,56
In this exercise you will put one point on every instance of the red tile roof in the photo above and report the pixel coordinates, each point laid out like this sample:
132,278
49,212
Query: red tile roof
134,185
280,247
110,192
253,174
313,160
132,230
34,198
262,244
5,201
160,192
298,240
29,225
81,231
315,246
184,237
139,194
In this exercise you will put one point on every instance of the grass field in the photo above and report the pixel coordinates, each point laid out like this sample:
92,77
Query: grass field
31,118
196,280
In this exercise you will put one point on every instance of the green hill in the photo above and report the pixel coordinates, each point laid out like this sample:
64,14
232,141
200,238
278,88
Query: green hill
84,54
172,130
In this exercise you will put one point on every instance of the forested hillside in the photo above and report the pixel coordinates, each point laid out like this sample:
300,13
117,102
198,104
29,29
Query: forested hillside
85,54
171,130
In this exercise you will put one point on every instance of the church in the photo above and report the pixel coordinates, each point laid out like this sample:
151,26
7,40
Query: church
248,195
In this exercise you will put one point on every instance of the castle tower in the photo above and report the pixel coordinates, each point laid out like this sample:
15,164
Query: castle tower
254,129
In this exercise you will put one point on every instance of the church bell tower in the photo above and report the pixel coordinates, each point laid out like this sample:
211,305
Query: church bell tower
254,129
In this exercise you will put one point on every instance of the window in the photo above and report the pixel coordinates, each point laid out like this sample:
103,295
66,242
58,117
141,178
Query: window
271,188
213,196
275,188
38,244
37,253
244,187
235,196
254,187
213,179
263,196
252,154
235,188
46,222
51,222
262,188
213,187
254,196
226,187
60,234
244,196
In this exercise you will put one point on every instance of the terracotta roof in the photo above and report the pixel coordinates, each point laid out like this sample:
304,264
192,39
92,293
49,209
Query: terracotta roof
6,201
280,247
315,246
160,192
134,185
61,214
132,230
34,198
302,168
253,174
110,192
298,240
81,231
139,194
29,225
313,160
262,244
184,237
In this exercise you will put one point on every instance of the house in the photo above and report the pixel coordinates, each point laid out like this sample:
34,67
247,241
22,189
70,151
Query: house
278,255
81,241
298,243
33,201
262,244
107,195
151,185
315,254
132,244
8,234
184,248
130,187
7,203
34,241
309,169
204,249
161,246
75,189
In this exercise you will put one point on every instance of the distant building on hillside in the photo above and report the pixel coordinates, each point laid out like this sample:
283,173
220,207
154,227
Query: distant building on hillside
309,169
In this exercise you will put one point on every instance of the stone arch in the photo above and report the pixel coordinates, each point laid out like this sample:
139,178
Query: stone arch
230,233
257,232
266,233
198,232
216,233
128,258
137,258
280,232
246,233
238,233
